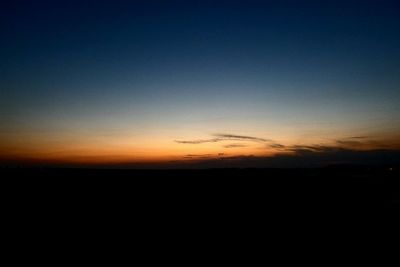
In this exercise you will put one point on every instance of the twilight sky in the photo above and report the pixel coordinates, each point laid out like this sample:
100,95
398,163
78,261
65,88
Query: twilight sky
159,82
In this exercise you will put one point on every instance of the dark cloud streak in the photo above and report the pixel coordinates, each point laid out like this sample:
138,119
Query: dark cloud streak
224,137
234,145
200,141
241,137
304,158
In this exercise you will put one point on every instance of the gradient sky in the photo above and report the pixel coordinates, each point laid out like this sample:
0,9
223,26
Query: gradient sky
161,81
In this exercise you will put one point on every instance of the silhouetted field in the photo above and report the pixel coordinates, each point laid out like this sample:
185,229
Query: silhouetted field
321,187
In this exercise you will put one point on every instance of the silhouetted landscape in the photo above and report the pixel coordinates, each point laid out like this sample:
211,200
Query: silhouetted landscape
346,186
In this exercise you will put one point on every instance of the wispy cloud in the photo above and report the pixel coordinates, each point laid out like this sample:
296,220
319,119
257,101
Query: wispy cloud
234,145
200,156
353,141
300,150
224,137
198,141
203,156
241,137
349,143
276,145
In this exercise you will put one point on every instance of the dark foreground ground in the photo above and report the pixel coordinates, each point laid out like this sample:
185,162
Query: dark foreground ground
342,186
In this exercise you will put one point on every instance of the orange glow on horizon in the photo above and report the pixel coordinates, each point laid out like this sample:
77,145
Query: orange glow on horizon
162,150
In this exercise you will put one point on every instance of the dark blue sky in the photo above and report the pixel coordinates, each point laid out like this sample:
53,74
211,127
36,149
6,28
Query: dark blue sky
324,68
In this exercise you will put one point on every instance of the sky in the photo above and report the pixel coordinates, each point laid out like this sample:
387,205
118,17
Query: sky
172,83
